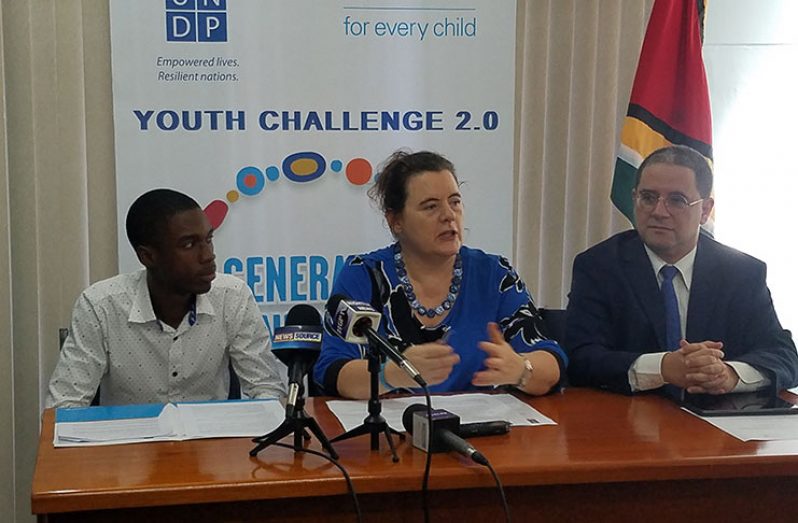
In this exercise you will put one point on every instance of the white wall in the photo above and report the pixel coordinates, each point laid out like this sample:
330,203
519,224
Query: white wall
751,56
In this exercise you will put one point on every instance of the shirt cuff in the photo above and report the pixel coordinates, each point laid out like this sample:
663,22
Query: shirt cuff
750,378
646,372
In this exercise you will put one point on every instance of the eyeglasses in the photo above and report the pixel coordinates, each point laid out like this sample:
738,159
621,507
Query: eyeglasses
648,201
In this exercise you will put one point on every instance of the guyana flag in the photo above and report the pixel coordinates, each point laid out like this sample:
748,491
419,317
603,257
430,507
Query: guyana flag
670,97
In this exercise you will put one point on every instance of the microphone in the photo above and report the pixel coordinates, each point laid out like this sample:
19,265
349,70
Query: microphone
297,345
443,432
353,322
471,430
485,428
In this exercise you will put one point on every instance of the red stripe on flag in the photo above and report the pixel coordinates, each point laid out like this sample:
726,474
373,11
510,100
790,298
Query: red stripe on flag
670,81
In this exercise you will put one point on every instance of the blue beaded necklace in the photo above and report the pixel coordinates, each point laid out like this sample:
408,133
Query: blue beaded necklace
410,293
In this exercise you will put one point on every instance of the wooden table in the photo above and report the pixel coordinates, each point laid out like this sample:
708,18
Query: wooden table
609,458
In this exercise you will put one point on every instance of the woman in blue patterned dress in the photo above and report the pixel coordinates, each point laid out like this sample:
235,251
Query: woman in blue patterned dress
465,317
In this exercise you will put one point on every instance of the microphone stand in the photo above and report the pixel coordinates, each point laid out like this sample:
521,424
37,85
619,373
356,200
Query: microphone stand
374,423
296,423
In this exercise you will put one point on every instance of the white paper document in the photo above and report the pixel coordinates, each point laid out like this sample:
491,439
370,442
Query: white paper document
119,430
756,428
472,408
172,422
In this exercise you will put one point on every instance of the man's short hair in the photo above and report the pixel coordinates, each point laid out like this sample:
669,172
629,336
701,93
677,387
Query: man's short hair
148,215
685,157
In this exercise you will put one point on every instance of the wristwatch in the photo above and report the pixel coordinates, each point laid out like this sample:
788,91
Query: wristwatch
528,368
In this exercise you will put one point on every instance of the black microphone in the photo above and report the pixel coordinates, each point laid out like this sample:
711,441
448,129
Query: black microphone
483,428
297,345
443,432
353,322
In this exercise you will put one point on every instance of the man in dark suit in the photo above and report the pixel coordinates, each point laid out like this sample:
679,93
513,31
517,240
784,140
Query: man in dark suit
665,305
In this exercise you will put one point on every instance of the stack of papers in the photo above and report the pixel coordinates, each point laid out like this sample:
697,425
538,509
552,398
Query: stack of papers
755,428
117,425
472,408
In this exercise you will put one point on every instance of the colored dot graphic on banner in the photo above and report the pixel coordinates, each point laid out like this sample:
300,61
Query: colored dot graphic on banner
216,212
301,167
358,171
250,181
304,167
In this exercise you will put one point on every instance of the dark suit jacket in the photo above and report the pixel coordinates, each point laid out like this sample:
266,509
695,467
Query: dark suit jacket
615,312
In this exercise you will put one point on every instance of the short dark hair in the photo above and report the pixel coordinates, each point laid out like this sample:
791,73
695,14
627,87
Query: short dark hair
390,189
148,215
685,157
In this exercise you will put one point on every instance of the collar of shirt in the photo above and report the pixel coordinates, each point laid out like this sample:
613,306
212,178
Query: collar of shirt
142,312
684,265
203,305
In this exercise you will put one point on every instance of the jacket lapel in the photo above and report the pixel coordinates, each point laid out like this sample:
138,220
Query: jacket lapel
706,273
643,282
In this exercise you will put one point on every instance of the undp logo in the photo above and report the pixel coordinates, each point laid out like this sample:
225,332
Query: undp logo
196,20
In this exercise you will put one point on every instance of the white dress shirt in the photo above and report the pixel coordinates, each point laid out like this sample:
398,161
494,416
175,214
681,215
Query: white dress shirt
116,341
646,371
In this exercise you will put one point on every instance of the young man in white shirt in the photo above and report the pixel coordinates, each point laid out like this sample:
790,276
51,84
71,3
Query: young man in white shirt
165,333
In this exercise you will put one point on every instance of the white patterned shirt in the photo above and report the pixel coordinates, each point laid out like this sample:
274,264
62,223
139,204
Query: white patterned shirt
115,341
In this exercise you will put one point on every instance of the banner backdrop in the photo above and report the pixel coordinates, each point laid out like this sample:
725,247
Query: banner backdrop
275,116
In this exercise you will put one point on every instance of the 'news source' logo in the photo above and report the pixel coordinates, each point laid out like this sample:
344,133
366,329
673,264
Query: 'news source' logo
196,20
